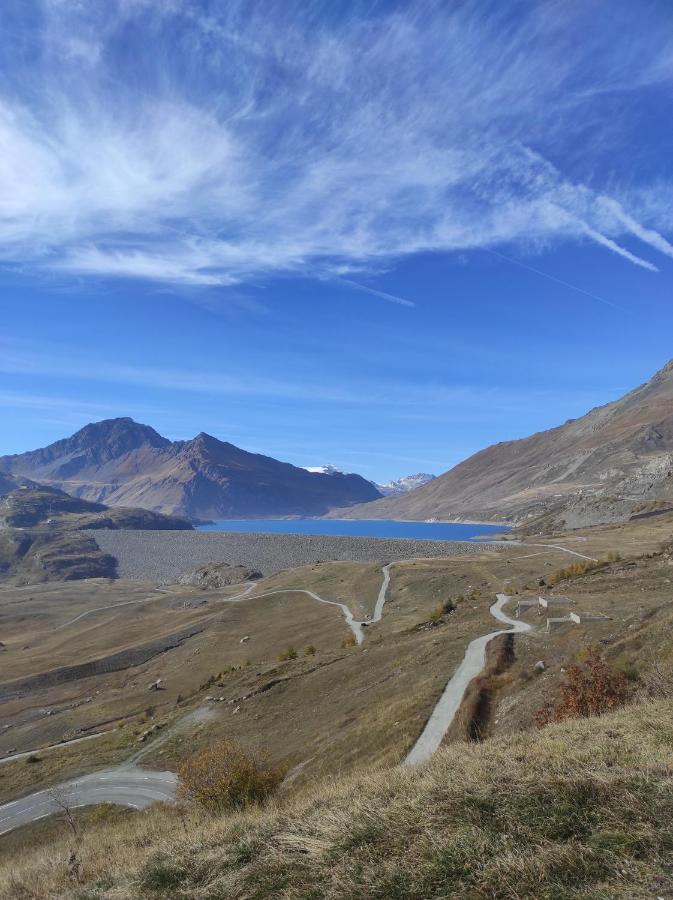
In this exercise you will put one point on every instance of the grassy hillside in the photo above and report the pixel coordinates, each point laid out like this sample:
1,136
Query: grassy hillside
577,810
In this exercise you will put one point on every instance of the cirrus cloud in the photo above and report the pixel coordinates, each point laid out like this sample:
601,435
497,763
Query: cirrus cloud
174,143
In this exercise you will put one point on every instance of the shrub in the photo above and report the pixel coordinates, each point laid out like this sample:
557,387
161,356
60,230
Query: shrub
629,669
102,812
290,653
348,642
444,609
310,651
572,571
225,776
589,689
657,680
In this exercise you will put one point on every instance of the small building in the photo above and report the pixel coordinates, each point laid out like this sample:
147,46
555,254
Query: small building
523,605
547,602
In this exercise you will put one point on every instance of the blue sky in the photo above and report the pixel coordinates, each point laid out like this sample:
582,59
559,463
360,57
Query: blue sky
373,234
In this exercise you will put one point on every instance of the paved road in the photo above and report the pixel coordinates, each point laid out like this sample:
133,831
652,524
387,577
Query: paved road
134,787
130,785
448,704
125,786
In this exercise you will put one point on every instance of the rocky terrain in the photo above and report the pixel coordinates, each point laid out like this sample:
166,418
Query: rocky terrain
611,464
167,557
122,463
39,505
41,535
33,557
219,575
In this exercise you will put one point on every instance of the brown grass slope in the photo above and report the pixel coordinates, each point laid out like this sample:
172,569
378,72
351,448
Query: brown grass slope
582,809
619,451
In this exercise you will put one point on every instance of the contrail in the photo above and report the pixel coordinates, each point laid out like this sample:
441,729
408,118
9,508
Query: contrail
392,298
620,251
573,287
647,235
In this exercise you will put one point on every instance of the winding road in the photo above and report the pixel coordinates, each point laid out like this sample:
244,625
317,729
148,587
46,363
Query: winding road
448,704
123,786
136,787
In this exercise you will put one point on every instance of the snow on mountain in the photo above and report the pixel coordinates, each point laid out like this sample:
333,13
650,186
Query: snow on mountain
324,470
403,485
390,488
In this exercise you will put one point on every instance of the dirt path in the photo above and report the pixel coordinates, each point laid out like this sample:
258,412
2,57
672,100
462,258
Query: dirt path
120,785
448,704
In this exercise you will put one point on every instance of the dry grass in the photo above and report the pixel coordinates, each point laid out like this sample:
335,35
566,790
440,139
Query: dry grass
226,777
582,809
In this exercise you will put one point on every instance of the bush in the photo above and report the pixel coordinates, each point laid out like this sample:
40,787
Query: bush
225,776
589,689
572,571
657,680
310,651
290,653
444,609
348,642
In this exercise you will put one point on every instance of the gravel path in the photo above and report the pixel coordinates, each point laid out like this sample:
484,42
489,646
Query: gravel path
162,556
449,703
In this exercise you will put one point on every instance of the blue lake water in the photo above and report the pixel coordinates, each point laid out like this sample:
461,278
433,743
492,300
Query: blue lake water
383,528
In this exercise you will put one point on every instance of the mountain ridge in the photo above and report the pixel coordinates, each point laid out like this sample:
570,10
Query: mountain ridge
613,462
120,462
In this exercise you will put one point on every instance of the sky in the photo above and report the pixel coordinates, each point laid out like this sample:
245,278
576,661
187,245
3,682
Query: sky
378,235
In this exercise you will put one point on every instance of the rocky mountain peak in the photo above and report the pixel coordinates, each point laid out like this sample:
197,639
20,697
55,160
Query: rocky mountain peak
117,436
665,373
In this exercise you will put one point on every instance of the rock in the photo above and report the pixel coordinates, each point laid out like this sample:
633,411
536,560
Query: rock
244,639
539,666
219,575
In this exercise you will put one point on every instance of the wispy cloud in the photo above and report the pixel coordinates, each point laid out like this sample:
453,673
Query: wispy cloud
423,400
259,139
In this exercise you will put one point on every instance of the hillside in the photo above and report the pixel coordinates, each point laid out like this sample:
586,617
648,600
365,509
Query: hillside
122,463
10,483
36,505
614,462
531,816
41,535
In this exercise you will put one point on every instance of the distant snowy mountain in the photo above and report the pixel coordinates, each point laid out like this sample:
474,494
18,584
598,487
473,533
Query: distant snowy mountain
403,485
324,470
390,488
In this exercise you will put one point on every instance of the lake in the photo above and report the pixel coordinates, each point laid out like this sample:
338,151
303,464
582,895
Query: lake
383,528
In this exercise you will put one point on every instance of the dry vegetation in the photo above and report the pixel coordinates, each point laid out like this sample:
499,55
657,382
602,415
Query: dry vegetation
226,777
538,815
580,568
591,688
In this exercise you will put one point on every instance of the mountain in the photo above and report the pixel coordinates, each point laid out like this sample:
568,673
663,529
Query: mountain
401,486
122,463
36,505
404,485
9,483
611,464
